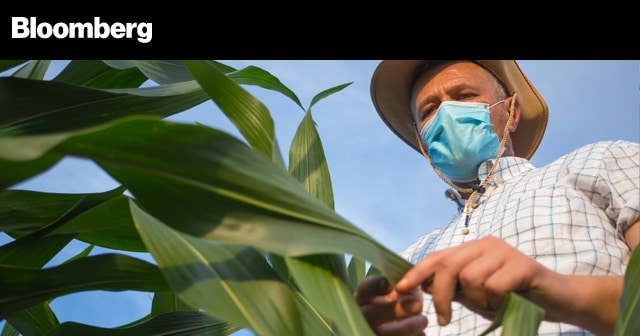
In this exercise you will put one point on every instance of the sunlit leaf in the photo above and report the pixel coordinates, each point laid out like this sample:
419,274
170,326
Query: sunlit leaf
329,293
165,302
518,316
223,190
628,323
8,64
253,75
246,112
9,330
219,189
357,271
307,161
33,106
326,93
321,278
33,70
230,282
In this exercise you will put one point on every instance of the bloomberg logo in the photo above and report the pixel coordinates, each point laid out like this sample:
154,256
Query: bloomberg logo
23,27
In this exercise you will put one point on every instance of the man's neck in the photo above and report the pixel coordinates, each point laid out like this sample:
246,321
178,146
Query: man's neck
468,185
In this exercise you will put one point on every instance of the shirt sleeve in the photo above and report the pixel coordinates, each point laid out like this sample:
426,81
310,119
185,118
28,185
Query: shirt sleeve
621,173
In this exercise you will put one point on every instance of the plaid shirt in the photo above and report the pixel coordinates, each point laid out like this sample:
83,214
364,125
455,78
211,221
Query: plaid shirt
568,215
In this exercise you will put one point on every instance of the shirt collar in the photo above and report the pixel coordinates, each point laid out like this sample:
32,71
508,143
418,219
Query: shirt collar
508,167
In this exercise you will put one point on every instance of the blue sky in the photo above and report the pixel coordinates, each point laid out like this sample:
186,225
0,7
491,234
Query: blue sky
380,184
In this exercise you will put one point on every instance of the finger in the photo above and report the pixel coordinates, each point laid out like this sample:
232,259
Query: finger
474,292
503,269
424,271
413,325
391,311
516,274
371,287
443,290
438,274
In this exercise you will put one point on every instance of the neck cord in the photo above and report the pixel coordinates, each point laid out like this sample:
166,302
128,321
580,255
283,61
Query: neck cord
475,188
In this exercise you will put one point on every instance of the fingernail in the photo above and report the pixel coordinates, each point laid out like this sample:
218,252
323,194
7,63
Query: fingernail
441,320
415,306
424,322
384,285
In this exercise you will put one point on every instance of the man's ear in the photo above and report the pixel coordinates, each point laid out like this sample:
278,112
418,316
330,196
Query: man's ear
512,102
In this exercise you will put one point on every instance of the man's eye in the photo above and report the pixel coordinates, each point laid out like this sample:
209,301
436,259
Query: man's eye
428,111
465,96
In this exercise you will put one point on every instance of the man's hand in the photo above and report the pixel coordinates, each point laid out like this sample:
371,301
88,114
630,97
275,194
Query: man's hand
388,312
480,273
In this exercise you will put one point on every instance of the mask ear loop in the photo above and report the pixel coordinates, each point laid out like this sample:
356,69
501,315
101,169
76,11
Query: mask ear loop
478,188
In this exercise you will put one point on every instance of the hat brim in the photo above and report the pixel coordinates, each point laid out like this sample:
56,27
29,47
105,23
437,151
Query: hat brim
392,83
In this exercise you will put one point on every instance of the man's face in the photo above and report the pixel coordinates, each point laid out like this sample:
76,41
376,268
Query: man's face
463,81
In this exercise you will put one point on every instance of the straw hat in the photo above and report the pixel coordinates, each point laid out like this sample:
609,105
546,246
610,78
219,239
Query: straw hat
391,86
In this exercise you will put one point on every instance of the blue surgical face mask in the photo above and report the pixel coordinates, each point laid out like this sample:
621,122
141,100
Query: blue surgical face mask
459,139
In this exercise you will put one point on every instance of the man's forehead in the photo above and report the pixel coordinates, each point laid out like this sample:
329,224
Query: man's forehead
454,73
433,67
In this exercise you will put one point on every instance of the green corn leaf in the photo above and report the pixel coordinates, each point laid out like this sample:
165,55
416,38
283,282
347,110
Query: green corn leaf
22,287
246,112
181,323
98,75
628,323
230,282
